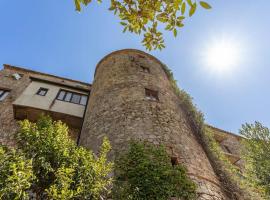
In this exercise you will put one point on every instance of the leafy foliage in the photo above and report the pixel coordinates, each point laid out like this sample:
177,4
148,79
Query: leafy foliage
62,170
213,149
185,100
141,16
250,192
256,154
145,172
16,174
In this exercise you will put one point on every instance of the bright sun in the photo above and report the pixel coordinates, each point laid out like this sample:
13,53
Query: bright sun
222,56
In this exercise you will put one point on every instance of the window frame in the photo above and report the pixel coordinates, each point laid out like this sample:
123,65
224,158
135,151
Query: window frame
5,93
70,100
44,89
153,94
144,69
174,161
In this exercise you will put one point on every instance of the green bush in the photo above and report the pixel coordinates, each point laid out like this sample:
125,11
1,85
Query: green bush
256,154
16,174
228,173
145,172
61,169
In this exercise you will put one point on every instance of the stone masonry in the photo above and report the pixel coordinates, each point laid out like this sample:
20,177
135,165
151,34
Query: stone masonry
118,109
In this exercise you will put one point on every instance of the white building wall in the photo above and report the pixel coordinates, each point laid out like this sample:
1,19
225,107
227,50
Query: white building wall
29,98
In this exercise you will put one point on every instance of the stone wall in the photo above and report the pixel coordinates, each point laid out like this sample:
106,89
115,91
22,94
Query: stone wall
230,144
8,125
118,109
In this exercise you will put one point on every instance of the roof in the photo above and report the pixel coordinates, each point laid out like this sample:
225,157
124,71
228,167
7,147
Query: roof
223,131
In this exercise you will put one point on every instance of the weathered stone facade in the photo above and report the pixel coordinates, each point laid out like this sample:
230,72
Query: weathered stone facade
119,110
8,121
8,124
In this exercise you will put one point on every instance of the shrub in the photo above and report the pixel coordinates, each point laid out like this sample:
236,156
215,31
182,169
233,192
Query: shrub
145,172
62,169
16,174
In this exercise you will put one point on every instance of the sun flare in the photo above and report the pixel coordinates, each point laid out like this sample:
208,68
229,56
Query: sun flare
222,55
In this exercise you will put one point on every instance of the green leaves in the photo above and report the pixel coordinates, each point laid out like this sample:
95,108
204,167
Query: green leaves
84,2
145,172
183,8
77,5
174,32
147,17
192,9
52,166
16,174
205,5
256,154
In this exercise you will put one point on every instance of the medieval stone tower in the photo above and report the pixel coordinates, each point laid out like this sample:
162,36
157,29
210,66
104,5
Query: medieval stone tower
131,97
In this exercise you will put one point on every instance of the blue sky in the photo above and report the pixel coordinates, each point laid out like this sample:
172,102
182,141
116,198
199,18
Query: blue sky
49,36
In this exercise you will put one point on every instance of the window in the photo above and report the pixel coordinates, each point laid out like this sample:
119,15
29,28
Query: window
76,98
174,161
17,76
42,91
3,94
145,69
72,97
83,100
151,94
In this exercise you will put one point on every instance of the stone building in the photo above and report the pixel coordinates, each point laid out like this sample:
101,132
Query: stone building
131,98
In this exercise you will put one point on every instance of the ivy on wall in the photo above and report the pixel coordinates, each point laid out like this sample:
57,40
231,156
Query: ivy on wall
233,179
145,172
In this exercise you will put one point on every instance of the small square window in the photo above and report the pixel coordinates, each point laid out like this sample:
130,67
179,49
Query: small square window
151,94
17,76
42,91
145,69
3,94
174,161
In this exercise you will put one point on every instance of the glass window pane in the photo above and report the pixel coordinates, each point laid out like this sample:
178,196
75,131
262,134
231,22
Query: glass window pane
42,92
3,96
61,95
68,96
75,98
151,94
83,100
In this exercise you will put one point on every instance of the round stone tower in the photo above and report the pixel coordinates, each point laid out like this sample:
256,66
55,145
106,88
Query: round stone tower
132,97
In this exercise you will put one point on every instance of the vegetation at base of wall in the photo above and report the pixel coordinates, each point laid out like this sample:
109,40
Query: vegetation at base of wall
51,166
235,173
16,174
213,149
256,154
149,17
145,172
